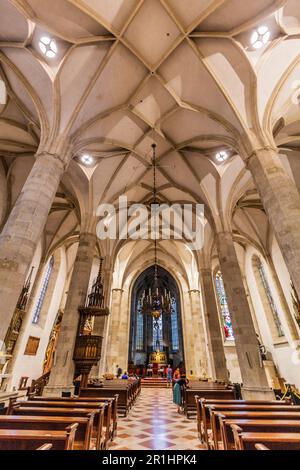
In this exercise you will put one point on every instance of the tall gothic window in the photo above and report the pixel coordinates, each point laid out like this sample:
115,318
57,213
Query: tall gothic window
139,327
226,317
269,295
174,326
43,291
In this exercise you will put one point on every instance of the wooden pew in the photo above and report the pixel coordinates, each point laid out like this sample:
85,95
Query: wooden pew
200,402
190,394
53,423
45,447
68,412
252,425
214,425
25,439
133,388
67,403
123,401
274,441
110,415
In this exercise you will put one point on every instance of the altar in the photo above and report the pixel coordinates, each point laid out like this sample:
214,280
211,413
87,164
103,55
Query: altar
157,364
158,357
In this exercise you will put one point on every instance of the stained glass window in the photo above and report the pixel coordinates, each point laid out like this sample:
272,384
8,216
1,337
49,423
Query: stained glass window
139,327
226,317
157,333
174,326
43,291
269,295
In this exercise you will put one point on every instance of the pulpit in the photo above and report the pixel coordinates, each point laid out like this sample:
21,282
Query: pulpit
87,352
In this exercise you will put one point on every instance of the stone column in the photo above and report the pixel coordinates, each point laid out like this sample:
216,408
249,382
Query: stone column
199,335
255,383
213,326
23,230
62,373
281,201
113,353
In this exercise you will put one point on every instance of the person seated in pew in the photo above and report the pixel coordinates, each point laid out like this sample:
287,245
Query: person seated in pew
125,376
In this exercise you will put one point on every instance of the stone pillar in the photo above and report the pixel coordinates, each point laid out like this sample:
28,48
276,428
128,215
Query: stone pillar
213,326
255,383
113,353
281,201
23,230
199,335
62,373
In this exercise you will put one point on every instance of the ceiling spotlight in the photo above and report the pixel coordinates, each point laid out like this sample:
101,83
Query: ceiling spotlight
87,159
221,156
48,47
260,37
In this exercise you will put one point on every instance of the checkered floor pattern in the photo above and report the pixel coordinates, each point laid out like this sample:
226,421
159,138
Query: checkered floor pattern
154,424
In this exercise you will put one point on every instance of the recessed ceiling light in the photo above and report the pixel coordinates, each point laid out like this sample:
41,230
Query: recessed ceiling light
260,37
221,156
87,159
48,47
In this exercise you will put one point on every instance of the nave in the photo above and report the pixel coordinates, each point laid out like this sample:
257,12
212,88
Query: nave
154,424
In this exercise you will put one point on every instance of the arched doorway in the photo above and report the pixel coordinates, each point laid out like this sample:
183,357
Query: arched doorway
148,335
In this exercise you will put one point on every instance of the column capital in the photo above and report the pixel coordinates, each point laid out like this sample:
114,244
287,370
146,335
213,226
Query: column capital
55,156
194,291
117,289
206,271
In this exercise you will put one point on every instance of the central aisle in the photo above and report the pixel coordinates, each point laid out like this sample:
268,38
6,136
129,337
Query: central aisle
154,424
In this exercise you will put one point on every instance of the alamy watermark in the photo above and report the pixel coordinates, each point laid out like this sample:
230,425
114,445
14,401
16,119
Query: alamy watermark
157,221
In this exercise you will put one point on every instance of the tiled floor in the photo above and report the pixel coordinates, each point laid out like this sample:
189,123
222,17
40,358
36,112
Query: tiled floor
154,424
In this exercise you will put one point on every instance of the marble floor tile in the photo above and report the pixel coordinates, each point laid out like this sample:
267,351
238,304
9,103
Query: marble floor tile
154,424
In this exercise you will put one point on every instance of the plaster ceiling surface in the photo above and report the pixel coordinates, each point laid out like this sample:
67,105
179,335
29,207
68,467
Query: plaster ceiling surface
129,73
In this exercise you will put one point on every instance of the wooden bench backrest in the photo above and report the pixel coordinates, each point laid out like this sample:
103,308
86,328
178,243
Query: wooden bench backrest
275,441
25,439
271,425
54,423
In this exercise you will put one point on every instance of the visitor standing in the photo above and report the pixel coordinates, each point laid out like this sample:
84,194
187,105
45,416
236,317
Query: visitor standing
178,391
169,376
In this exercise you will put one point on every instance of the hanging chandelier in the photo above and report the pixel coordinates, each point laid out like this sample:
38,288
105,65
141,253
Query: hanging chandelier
155,300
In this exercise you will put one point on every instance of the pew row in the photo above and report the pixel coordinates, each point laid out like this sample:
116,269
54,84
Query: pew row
274,441
123,405
98,434
83,434
190,408
110,415
205,422
25,439
252,425
209,421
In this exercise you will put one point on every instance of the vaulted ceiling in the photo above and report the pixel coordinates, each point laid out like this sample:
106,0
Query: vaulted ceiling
129,73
